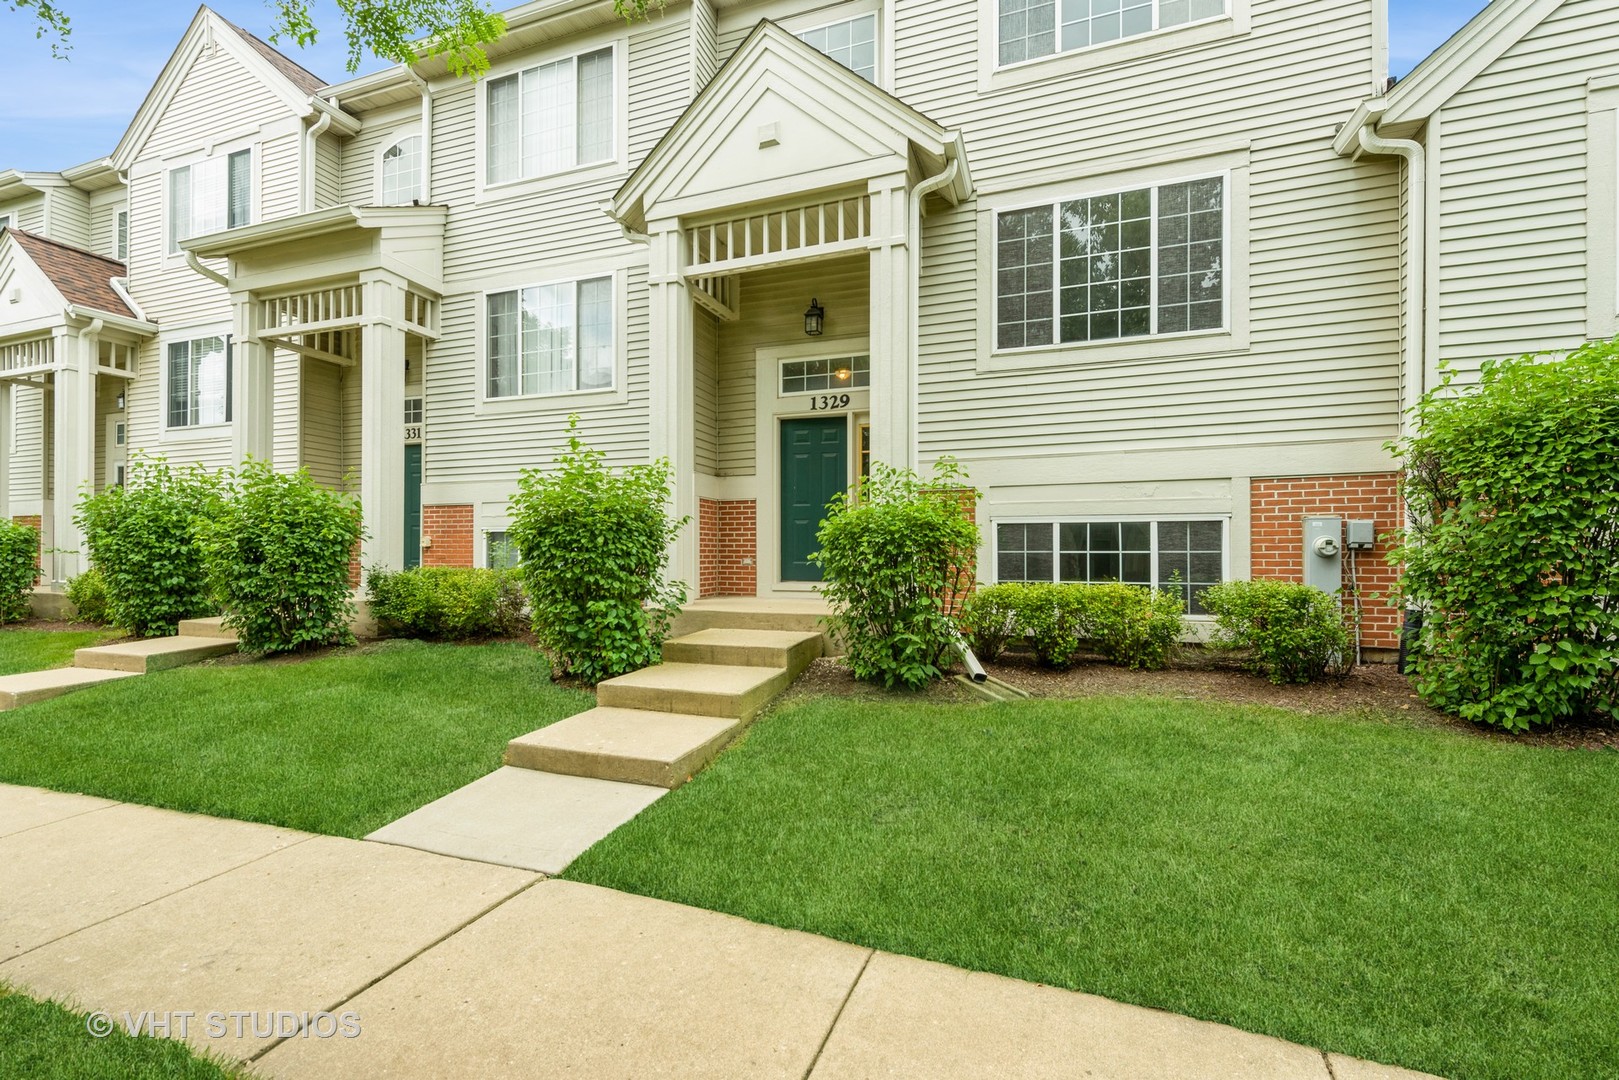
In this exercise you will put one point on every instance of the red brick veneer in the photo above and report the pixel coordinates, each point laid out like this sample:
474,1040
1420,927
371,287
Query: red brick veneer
727,548
450,528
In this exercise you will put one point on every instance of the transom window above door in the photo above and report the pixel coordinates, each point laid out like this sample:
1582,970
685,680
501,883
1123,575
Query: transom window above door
551,118
815,376
851,42
1030,29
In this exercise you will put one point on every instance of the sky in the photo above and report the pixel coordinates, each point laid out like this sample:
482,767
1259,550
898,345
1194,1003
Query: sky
66,112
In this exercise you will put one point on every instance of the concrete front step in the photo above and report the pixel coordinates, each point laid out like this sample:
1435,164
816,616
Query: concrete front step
793,650
632,746
728,691
730,613
207,628
153,654
19,690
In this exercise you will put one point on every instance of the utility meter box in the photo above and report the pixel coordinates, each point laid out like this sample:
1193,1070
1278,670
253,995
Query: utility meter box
1324,553
1362,535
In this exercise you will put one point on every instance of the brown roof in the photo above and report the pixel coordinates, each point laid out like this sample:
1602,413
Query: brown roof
299,76
82,277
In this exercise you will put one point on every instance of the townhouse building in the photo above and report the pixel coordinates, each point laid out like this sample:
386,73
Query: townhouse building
1149,269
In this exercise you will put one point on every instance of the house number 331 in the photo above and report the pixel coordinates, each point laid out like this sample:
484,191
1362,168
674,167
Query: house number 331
828,402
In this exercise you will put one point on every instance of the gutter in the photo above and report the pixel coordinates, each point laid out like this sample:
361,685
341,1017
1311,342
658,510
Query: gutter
212,275
311,149
120,285
943,179
427,134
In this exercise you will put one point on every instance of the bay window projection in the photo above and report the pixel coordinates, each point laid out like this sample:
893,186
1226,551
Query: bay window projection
1129,264
550,118
402,172
210,196
199,378
852,43
1184,556
1030,29
551,339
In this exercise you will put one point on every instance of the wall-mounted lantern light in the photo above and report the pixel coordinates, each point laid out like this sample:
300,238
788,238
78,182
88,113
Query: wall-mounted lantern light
120,401
815,319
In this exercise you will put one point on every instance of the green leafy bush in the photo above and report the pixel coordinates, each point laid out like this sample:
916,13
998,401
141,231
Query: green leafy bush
595,544
19,569
88,594
1053,620
444,603
990,619
142,538
897,560
1513,548
276,551
1130,625
1292,633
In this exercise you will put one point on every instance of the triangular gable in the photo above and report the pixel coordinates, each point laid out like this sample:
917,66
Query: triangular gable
1468,53
81,278
209,28
38,299
820,119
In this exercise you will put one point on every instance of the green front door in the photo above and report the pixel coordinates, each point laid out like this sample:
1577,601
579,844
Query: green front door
413,505
814,467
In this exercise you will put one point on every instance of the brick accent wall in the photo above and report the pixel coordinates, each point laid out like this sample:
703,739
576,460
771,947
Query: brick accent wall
969,501
450,528
1279,508
727,548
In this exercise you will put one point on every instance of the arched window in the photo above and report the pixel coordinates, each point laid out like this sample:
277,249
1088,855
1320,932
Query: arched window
402,172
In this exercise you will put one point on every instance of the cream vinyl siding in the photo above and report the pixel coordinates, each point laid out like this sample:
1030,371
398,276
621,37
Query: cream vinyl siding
322,434
284,448
1322,242
28,433
328,172
105,206
218,99
706,355
705,57
1512,193
70,217
382,128
26,214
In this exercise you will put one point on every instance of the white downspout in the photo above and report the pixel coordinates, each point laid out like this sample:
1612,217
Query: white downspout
121,287
914,342
1413,364
311,149
427,136
212,275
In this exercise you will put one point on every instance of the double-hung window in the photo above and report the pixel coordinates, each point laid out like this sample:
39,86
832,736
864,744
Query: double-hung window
550,118
210,196
551,339
402,172
1186,556
1029,29
1122,265
199,382
851,42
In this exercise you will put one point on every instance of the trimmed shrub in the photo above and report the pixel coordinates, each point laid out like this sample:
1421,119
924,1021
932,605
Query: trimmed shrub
1131,625
595,544
1512,553
19,568
276,552
142,538
1053,620
990,619
1292,633
445,603
897,560
88,595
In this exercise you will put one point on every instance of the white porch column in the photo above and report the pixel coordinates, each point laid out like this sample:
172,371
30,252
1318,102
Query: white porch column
893,306
74,404
7,450
382,420
253,389
672,385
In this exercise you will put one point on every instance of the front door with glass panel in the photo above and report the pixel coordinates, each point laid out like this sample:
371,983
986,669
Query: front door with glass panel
814,467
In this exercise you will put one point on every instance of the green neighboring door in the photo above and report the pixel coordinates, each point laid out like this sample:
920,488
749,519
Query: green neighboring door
814,467
413,505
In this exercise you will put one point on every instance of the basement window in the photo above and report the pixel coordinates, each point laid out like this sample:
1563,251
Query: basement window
1185,555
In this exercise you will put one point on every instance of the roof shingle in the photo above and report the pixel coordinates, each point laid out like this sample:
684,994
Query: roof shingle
301,77
82,277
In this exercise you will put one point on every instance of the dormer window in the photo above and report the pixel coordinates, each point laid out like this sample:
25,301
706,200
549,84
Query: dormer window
401,172
1030,29
210,196
851,42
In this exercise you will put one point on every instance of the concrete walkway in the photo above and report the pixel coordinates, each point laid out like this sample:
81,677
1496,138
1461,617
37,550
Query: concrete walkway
454,968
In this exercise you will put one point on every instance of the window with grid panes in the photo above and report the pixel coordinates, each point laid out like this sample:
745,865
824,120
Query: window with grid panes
1030,29
1187,556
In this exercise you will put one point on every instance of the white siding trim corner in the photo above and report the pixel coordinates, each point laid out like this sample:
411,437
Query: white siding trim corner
1602,213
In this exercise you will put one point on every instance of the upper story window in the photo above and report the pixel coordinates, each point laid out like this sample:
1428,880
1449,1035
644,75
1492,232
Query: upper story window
120,240
401,172
551,339
210,196
199,378
1030,29
1127,264
852,43
551,118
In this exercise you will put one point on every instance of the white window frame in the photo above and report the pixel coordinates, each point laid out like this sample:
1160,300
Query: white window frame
224,150
1056,520
615,166
196,432
5,221
1602,199
1232,337
821,20
992,74
120,233
616,391
394,139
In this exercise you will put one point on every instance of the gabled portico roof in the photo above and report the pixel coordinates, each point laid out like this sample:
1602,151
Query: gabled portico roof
780,118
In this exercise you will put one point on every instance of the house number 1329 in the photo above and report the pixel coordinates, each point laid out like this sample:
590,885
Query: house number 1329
828,402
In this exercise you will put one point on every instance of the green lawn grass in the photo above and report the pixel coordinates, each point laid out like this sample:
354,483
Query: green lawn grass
341,744
1406,894
36,650
40,1040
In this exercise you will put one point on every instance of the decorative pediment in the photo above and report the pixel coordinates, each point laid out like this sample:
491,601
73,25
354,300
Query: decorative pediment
778,120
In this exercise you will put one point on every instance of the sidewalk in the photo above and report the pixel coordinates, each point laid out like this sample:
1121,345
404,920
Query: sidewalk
457,968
